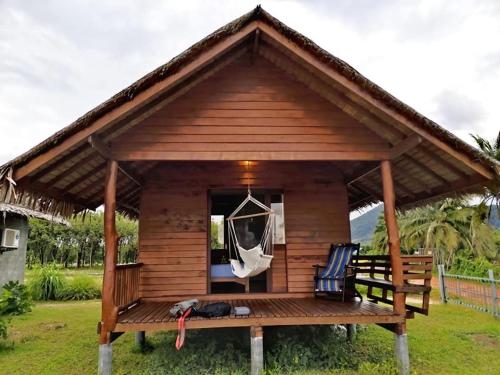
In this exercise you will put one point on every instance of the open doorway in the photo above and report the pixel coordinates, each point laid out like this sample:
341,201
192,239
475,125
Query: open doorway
222,204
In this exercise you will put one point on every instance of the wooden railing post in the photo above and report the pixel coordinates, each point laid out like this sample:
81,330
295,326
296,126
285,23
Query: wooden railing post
109,309
393,236
399,298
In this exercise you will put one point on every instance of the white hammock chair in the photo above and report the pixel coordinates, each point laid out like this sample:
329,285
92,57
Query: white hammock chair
258,258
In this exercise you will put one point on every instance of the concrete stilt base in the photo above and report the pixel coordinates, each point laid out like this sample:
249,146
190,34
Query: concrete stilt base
402,356
140,339
256,350
351,332
105,359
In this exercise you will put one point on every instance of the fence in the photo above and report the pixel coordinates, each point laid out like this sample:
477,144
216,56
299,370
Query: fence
477,292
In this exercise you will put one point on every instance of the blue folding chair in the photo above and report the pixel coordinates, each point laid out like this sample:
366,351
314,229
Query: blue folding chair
337,278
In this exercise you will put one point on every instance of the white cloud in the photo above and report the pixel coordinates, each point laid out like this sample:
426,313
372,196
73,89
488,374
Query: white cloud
58,59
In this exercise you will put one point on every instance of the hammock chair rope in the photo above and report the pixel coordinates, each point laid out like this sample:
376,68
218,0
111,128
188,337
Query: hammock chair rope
251,262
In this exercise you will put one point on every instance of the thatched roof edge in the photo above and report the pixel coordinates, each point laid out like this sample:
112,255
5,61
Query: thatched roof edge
27,212
231,28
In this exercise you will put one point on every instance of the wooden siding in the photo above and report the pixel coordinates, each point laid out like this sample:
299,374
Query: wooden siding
250,112
174,213
315,219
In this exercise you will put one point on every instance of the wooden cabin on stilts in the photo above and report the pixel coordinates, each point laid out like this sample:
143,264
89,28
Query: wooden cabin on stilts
255,104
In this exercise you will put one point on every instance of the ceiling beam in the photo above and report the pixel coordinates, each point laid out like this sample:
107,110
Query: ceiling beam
57,163
445,191
405,145
72,169
397,150
84,177
103,150
427,169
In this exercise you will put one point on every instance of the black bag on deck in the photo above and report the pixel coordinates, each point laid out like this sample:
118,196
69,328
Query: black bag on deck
213,310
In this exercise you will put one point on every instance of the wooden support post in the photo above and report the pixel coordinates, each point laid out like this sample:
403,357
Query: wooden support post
256,350
140,339
109,309
401,348
393,236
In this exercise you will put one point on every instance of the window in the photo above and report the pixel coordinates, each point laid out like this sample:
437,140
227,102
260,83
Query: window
279,219
217,231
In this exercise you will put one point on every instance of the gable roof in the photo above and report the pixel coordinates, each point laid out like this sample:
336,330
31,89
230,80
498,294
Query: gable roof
259,19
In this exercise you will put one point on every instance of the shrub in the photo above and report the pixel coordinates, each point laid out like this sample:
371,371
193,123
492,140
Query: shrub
469,265
82,287
3,329
14,299
47,283
4,335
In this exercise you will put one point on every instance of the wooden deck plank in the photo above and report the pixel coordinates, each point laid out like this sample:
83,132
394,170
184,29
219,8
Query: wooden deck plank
265,312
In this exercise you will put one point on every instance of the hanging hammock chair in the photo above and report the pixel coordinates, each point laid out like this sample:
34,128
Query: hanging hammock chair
250,261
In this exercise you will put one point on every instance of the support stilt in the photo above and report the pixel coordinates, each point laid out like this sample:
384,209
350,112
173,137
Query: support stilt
402,356
105,359
140,339
351,332
256,350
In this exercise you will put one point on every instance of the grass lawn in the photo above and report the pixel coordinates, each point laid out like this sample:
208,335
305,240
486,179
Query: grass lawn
60,338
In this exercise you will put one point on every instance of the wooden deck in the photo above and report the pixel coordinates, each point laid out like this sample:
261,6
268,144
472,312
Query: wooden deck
150,316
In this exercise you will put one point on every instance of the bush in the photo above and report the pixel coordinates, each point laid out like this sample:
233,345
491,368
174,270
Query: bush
47,283
82,287
469,265
14,299
3,330
4,335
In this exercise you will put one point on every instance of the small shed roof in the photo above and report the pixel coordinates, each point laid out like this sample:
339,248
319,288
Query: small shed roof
59,175
28,212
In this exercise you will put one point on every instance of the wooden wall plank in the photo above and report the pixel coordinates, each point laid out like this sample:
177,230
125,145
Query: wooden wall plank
250,112
174,219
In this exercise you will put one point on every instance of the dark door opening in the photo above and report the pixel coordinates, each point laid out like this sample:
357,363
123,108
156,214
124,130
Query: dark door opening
222,280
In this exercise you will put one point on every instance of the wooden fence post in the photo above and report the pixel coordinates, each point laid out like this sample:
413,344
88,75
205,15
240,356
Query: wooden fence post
493,293
442,285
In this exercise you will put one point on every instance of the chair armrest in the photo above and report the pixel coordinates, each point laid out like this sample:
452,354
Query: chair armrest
317,267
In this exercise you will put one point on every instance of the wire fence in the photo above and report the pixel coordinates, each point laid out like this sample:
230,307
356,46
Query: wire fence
479,293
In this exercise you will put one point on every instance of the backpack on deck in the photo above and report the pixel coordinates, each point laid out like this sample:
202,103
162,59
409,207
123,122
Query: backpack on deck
213,310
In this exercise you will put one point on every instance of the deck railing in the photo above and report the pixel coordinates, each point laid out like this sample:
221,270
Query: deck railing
375,272
127,285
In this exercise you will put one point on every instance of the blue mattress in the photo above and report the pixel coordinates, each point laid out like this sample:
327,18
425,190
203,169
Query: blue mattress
221,270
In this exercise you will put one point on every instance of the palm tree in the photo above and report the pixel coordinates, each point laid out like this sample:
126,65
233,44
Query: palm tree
491,193
443,228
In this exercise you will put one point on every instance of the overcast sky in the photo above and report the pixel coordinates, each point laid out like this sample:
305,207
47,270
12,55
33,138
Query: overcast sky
59,59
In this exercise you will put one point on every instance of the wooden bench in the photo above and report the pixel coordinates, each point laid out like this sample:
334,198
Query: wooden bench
374,271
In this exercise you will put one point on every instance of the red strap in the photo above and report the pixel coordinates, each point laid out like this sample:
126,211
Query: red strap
181,328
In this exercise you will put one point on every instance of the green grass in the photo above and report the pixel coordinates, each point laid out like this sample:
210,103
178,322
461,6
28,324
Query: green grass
70,273
60,338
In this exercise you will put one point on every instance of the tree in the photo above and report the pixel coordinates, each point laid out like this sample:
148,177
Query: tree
491,194
80,243
443,228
